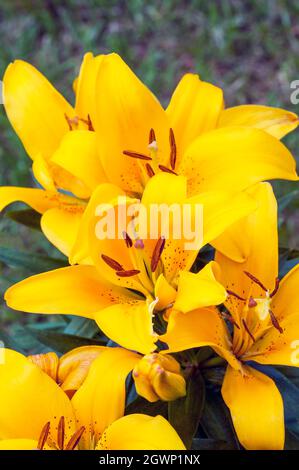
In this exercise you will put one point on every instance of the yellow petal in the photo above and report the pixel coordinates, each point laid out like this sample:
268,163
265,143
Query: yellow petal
286,301
38,199
129,325
18,444
164,292
77,154
234,158
74,290
202,327
35,109
101,399
29,399
194,108
255,235
86,86
199,290
256,408
126,111
278,348
140,432
277,122
61,227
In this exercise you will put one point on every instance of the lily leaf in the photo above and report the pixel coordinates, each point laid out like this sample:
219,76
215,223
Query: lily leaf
209,444
141,405
184,414
80,326
30,261
28,217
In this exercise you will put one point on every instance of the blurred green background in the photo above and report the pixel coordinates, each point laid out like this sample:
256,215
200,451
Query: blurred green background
249,48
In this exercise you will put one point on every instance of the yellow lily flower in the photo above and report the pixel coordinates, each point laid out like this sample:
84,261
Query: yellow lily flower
37,414
264,314
134,139
129,279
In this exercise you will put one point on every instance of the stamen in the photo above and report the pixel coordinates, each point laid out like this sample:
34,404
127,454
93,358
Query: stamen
112,263
139,244
87,122
167,170
252,303
141,156
277,282
230,292
230,319
172,148
157,253
71,121
275,322
127,239
152,136
75,439
149,170
129,273
256,280
43,436
61,433
247,329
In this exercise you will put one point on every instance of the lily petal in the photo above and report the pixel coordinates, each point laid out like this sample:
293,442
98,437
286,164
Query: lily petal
74,290
256,408
194,109
140,432
277,122
234,158
18,444
286,301
199,290
130,325
30,399
35,109
101,399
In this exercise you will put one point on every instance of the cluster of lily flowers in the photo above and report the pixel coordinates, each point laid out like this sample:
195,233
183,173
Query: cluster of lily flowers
149,297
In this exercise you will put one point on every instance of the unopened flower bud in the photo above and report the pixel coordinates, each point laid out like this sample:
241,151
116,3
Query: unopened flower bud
48,362
158,377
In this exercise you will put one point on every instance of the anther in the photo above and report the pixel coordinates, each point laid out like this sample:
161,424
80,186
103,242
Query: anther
43,436
71,121
129,273
228,317
167,170
157,253
256,280
61,433
75,439
112,263
140,156
277,282
248,330
128,239
172,148
275,322
149,170
152,136
252,303
230,292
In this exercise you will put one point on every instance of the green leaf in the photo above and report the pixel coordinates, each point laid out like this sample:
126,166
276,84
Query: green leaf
61,342
9,342
141,405
216,421
209,444
184,414
28,217
30,261
80,326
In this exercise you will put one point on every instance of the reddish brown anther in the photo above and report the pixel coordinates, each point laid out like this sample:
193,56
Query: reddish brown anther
127,239
230,319
112,263
61,433
252,303
129,273
137,155
43,436
172,148
75,439
167,170
149,170
277,282
157,253
152,136
248,330
71,121
230,292
256,280
275,322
